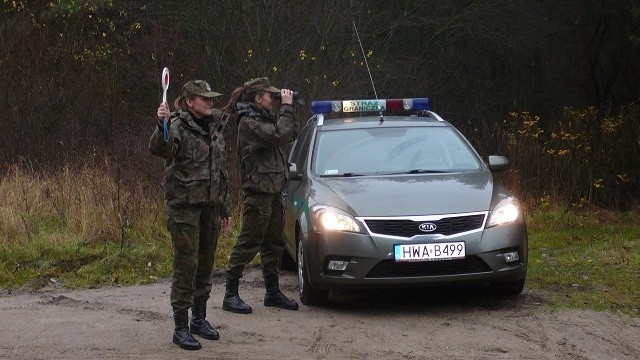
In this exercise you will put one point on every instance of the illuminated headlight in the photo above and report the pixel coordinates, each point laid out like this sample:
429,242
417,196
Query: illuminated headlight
329,219
507,211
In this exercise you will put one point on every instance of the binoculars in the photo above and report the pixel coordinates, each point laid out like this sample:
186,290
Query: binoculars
296,97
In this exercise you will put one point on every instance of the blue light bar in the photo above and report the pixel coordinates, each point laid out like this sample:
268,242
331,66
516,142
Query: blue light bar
408,105
320,107
422,104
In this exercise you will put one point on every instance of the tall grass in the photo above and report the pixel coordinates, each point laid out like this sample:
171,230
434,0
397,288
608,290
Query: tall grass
85,202
60,223
81,226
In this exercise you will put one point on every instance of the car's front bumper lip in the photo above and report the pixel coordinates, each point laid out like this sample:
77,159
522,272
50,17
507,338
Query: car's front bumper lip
364,252
513,272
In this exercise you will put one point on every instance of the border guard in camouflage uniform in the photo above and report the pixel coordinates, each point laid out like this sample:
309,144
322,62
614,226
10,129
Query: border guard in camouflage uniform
197,203
264,174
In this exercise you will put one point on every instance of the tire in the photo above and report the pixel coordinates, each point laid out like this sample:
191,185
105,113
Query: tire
508,288
308,294
286,262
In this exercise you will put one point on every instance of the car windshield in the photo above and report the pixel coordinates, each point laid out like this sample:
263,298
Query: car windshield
392,150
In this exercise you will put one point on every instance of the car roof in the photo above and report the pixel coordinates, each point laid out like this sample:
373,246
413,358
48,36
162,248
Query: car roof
366,122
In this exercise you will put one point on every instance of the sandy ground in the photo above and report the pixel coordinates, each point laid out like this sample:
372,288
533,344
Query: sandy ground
136,322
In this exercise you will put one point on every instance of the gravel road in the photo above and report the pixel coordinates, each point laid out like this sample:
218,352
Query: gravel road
442,323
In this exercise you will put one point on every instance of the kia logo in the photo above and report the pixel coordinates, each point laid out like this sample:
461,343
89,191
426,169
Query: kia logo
427,227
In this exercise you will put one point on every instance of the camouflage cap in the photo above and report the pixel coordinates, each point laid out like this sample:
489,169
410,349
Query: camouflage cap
199,88
260,84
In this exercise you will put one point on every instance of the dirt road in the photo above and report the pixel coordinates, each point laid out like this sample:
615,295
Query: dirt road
136,322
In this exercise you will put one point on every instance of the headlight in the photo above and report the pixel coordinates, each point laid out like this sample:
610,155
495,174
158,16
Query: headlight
507,211
326,218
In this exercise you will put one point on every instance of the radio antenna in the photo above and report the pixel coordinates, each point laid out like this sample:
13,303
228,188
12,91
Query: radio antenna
365,60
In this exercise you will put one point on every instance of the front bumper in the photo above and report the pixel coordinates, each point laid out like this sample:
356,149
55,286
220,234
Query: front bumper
372,264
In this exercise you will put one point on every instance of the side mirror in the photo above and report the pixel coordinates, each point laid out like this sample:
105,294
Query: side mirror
498,163
293,173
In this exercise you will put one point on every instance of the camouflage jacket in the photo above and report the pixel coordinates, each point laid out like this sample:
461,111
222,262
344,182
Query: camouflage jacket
263,167
195,172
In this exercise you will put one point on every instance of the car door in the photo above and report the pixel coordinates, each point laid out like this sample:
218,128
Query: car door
299,154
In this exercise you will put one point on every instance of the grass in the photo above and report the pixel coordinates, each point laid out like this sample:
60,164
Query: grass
68,260
586,259
79,228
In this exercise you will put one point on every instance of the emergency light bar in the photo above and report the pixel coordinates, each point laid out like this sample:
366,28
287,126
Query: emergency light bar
347,106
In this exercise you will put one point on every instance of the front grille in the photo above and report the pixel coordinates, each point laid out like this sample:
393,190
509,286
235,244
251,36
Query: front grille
409,228
391,268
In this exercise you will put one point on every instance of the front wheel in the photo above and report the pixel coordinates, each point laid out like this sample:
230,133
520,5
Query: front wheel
308,294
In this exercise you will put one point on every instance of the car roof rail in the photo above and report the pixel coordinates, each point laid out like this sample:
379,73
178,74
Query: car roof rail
431,114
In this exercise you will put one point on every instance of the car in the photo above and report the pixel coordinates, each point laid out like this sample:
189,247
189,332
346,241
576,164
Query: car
385,193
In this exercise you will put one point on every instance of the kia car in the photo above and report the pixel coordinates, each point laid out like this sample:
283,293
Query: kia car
386,193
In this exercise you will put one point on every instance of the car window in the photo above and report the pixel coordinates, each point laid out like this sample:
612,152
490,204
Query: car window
392,150
301,148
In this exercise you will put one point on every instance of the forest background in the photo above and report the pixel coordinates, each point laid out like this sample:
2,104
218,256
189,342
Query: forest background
552,85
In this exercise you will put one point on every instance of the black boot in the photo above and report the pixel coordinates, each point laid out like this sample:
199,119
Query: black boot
275,297
199,325
181,336
232,301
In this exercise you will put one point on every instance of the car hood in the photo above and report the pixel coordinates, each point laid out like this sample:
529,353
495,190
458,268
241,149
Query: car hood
405,195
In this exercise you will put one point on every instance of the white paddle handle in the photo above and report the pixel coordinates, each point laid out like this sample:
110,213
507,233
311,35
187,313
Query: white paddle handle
165,84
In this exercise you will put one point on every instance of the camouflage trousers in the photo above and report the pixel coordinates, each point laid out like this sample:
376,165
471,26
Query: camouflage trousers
194,234
262,231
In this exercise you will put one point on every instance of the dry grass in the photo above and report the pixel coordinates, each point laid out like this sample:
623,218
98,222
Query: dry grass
88,202
84,218
83,227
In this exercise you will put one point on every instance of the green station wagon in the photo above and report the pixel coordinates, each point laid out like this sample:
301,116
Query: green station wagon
386,193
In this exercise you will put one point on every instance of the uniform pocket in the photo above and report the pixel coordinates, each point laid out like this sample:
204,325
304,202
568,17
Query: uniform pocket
188,192
258,211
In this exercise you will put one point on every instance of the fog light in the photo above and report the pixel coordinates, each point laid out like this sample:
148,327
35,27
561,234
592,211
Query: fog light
511,256
337,265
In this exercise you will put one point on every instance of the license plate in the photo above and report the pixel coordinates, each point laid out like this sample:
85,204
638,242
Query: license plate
429,252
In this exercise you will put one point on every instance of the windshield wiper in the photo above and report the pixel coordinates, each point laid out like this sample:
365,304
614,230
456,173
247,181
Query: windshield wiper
416,171
425,171
347,174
